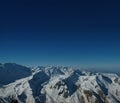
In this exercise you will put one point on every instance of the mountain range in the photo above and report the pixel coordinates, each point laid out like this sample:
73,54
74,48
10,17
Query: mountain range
56,84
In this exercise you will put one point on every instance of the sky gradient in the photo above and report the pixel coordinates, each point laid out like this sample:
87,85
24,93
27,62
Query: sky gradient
60,32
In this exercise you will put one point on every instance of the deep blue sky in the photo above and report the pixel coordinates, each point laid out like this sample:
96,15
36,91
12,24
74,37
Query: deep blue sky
60,32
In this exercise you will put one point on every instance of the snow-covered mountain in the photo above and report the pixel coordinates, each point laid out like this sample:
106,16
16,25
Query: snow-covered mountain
54,84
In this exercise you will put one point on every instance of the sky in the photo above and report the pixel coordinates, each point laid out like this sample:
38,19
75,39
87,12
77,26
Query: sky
82,33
